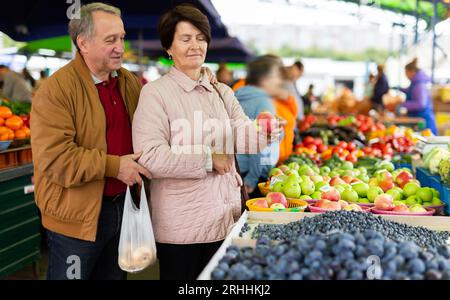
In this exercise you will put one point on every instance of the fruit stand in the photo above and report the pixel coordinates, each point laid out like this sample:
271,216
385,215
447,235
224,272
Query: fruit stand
19,220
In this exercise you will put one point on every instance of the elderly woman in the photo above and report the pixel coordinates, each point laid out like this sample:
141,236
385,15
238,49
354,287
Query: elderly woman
187,127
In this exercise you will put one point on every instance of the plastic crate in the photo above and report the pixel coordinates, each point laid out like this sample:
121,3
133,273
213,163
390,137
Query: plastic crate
434,181
399,166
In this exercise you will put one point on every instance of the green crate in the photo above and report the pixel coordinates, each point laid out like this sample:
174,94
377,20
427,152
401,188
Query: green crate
19,231
16,255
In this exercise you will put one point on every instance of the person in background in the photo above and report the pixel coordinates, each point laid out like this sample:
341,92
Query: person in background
82,148
309,99
418,98
262,83
40,81
195,186
368,89
293,74
224,75
15,86
381,87
28,78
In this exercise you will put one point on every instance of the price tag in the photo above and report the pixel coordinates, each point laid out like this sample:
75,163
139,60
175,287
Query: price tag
275,179
325,188
28,189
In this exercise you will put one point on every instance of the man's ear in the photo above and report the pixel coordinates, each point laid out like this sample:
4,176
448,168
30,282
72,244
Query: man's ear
82,44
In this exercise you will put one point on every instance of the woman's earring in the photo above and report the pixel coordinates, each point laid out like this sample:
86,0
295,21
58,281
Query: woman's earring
170,57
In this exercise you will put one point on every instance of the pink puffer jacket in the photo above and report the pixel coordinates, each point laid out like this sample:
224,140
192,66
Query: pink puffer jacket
189,204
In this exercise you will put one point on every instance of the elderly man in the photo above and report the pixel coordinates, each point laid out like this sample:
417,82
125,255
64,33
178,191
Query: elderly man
82,149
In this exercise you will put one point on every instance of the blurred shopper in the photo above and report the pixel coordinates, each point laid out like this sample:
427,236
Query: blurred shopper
82,149
309,99
369,87
381,88
15,87
195,188
263,82
224,74
418,97
293,74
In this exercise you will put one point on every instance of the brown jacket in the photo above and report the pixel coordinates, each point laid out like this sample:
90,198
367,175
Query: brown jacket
69,148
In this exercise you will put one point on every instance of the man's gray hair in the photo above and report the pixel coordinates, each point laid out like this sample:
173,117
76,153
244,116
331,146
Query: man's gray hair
85,24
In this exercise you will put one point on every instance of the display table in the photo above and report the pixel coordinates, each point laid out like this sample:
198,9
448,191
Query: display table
19,220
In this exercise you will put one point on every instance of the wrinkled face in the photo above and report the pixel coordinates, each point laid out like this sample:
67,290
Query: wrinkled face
272,82
189,47
409,74
104,49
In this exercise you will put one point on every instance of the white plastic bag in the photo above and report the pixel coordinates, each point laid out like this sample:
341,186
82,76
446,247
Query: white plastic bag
137,248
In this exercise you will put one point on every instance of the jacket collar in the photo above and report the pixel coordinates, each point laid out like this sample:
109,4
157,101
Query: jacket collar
85,73
187,83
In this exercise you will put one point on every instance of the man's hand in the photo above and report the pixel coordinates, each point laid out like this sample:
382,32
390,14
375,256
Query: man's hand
130,170
222,163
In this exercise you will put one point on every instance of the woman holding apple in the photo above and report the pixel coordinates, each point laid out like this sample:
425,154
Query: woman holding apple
189,127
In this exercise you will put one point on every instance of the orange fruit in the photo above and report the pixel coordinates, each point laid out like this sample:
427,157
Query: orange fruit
5,112
4,137
26,130
2,121
3,129
14,122
20,134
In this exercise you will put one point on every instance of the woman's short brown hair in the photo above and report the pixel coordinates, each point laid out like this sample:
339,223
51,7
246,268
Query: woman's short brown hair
182,12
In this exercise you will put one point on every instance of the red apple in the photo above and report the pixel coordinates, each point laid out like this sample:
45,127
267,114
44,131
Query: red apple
347,178
266,121
320,203
386,185
355,180
336,180
331,194
261,203
401,208
343,203
403,178
332,205
384,202
276,197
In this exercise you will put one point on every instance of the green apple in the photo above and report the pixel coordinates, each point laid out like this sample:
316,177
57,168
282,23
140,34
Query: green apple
396,195
373,192
307,187
349,195
362,170
305,197
427,204
387,165
395,203
361,188
293,166
436,201
278,187
373,182
306,170
346,165
363,200
316,195
356,172
436,193
333,174
325,170
316,178
425,194
320,184
292,189
339,188
417,209
364,178
410,189
411,200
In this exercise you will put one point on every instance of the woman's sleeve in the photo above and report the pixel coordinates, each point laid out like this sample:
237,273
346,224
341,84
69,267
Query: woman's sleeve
152,134
419,98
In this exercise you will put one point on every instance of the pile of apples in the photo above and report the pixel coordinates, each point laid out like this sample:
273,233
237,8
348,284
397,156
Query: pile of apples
273,200
331,200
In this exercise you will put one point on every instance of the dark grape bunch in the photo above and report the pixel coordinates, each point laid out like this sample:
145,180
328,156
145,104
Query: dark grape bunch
350,221
357,256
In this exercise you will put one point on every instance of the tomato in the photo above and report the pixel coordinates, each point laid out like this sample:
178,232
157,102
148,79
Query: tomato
351,146
318,142
322,148
337,150
342,144
308,140
367,150
377,152
351,158
312,147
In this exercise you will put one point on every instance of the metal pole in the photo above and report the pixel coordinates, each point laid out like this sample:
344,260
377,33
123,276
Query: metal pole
416,28
433,53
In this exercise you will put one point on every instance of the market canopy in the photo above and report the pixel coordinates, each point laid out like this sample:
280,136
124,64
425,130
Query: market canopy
28,20
422,8
221,50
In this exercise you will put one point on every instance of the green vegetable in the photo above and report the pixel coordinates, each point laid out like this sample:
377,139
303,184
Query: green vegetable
434,157
444,170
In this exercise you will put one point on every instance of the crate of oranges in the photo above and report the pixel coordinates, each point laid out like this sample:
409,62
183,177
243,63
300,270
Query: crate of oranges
13,130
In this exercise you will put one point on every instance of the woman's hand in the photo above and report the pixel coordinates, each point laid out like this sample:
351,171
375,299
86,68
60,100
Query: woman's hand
222,163
211,77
